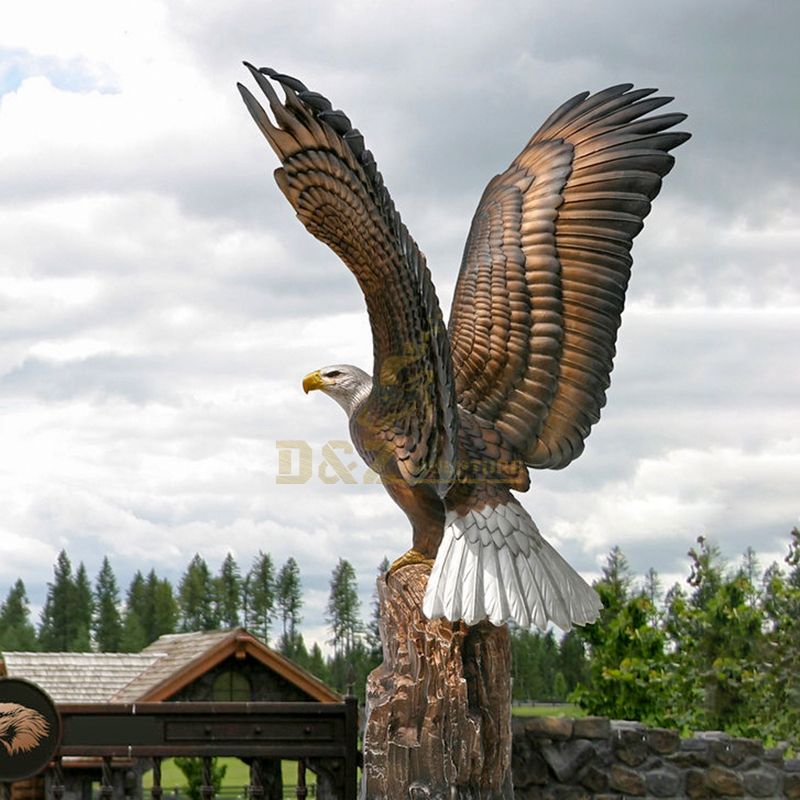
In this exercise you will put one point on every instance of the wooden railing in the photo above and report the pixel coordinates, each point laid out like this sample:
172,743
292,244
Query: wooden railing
321,737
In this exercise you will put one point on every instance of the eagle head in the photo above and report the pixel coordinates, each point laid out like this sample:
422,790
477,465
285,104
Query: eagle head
21,728
349,386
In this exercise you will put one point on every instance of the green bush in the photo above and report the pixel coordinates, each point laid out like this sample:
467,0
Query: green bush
192,768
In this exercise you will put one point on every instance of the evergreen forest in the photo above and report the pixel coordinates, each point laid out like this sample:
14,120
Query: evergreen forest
720,651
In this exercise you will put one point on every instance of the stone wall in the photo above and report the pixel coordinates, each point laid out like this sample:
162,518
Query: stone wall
564,759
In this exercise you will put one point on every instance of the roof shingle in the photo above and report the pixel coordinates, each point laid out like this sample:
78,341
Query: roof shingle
174,652
155,673
80,677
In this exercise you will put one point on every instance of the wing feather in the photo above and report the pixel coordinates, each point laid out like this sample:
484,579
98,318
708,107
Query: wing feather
333,183
553,236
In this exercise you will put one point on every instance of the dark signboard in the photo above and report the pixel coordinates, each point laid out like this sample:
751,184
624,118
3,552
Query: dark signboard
29,729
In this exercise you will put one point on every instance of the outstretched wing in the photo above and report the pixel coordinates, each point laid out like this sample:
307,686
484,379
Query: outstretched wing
546,265
333,184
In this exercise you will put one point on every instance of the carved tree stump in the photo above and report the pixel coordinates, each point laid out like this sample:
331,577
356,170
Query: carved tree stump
439,707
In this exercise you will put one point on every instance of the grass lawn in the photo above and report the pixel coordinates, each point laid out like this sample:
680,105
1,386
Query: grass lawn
548,710
237,774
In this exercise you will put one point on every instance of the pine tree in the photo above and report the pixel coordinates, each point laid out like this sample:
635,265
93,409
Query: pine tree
195,598
351,659
247,613
316,663
550,663
651,587
560,687
526,664
374,627
676,616
616,580
722,642
627,663
573,662
614,588
16,630
107,623
707,572
133,638
260,594
57,629
228,593
349,673
83,610
289,601
134,635
294,648
343,608
750,571
162,607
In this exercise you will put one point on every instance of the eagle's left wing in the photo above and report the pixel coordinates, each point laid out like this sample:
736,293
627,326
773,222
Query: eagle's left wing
542,284
333,184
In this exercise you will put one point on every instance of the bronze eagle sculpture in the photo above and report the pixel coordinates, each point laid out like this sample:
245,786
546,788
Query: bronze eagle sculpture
452,416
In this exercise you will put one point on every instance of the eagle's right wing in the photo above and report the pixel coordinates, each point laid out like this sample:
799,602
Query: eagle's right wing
334,186
546,265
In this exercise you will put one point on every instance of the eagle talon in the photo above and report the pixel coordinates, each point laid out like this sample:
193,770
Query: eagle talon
408,558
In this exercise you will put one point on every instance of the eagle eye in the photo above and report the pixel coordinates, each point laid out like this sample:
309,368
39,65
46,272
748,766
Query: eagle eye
334,373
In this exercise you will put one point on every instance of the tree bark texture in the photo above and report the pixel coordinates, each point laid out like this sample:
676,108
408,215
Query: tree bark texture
439,707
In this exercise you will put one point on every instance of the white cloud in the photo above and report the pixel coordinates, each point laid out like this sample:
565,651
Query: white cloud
21,556
688,492
160,303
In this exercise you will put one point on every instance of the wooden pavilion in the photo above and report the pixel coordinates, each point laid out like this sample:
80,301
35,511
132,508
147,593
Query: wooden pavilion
208,666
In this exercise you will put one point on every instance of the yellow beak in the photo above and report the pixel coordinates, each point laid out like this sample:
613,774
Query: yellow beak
313,381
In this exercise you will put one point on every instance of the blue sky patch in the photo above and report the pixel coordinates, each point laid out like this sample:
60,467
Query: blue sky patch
69,75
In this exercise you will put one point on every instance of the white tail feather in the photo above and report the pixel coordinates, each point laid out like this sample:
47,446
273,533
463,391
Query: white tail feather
494,564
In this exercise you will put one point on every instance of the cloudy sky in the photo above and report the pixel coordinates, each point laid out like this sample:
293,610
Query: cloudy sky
160,302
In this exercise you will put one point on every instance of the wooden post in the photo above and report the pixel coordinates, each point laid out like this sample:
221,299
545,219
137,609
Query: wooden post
439,707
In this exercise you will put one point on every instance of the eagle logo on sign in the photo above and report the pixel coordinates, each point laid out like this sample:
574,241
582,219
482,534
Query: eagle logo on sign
21,728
